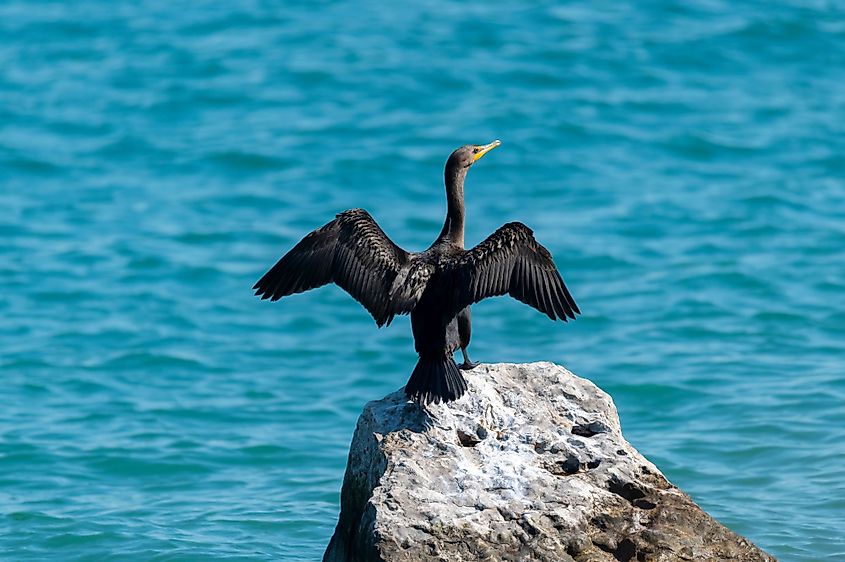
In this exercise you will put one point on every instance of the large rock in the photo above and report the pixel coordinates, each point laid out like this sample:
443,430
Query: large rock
529,465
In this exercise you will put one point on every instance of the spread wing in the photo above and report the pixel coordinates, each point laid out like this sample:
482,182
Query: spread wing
353,252
510,261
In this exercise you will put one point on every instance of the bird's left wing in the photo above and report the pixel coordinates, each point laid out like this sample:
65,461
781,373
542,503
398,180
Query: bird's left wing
355,253
510,261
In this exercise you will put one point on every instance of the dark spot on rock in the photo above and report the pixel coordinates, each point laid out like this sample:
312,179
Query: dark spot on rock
630,492
621,452
589,429
563,467
468,439
643,503
570,465
594,463
645,469
482,432
625,550
627,490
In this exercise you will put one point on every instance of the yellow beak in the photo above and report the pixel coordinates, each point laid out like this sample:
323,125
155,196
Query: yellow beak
482,150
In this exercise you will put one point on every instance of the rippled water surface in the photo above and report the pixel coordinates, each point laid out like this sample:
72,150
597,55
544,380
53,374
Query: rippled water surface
684,163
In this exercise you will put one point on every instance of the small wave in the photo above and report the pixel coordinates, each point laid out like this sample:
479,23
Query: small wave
124,464
249,161
147,360
29,165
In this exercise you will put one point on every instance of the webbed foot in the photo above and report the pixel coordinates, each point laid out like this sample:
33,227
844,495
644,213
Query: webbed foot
468,365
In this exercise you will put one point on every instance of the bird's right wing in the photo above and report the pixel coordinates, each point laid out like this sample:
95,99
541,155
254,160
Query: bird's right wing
510,261
353,252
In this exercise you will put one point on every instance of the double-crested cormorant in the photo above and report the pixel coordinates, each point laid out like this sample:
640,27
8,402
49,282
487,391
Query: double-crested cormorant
436,286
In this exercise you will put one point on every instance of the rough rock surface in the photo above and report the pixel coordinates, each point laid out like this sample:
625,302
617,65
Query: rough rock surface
529,465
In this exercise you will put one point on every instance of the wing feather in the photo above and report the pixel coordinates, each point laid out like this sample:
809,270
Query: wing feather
353,252
510,261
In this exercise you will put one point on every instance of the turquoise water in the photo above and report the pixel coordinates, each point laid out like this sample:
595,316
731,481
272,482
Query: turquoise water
684,162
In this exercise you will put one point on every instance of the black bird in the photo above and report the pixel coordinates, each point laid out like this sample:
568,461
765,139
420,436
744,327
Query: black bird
436,286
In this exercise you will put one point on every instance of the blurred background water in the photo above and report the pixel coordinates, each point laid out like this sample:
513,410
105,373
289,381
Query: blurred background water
683,161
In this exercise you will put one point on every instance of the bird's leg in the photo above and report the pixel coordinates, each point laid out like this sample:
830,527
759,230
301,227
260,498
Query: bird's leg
467,364
464,334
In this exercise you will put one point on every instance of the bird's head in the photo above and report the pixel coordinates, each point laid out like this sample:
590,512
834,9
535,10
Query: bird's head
466,156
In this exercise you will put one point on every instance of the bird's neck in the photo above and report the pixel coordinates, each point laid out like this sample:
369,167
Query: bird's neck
453,228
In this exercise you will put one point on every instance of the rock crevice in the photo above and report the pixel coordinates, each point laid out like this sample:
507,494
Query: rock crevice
530,464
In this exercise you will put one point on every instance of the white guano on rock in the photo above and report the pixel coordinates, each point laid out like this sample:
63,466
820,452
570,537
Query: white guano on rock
529,465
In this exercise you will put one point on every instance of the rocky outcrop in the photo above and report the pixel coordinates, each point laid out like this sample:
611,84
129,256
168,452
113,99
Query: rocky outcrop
529,465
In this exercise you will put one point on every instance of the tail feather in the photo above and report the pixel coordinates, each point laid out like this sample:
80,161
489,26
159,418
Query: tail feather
435,380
